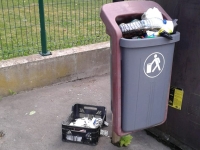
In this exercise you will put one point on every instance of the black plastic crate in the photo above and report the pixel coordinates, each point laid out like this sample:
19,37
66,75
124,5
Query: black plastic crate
83,135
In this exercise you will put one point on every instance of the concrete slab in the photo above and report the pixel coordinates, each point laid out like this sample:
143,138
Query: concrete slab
52,104
34,71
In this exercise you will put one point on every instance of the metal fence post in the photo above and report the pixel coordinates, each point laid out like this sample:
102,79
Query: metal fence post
44,52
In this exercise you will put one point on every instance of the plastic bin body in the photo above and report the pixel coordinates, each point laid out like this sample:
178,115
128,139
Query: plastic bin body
145,85
112,14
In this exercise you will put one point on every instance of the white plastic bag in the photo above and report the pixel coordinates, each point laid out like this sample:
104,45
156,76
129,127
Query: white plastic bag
152,13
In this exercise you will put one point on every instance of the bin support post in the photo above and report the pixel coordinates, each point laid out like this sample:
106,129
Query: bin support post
115,137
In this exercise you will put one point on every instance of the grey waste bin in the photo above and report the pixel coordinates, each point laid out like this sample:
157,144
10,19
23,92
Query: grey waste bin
140,69
146,72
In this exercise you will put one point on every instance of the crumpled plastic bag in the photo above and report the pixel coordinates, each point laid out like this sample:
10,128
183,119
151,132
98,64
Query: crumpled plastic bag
152,13
166,27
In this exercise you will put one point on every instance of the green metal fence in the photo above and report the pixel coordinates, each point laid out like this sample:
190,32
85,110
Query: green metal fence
68,23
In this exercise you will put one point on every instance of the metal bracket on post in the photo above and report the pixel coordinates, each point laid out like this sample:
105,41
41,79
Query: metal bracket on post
42,30
115,137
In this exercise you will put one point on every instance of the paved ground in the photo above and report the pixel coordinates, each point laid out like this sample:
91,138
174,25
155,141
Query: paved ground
52,104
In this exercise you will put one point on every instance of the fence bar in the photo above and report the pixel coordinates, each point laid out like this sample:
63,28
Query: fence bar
42,30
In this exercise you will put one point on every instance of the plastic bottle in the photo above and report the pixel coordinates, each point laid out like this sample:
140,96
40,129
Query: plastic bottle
148,24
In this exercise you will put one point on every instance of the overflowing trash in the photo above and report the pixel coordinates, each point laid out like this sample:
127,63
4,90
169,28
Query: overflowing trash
87,122
151,25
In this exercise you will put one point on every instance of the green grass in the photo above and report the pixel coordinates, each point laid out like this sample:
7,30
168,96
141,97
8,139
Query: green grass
11,92
68,23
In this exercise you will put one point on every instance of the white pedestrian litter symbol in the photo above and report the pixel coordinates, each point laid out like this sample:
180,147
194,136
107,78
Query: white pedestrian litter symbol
154,64
157,64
